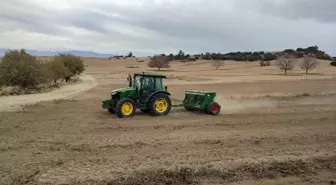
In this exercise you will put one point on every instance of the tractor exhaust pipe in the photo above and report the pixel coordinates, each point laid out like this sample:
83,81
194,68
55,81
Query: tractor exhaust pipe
129,79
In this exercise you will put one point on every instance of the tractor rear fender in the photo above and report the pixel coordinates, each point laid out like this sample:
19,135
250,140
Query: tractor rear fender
157,92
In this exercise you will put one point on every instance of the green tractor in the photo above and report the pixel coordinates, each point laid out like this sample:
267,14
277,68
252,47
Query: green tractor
147,93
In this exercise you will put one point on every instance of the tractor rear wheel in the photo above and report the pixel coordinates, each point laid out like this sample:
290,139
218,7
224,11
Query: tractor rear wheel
159,104
125,108
213,108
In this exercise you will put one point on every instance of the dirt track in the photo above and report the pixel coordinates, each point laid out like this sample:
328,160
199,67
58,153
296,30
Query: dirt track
13,103
262,136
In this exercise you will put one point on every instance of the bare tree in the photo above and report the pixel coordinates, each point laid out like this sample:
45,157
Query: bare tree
309,62
286,62
159,61
217,63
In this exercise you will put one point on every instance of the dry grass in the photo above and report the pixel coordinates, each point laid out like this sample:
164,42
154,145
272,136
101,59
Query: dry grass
187,175
264,140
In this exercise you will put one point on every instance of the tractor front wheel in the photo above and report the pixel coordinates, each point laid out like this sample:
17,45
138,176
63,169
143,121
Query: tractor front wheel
125,108
111,110
213,108
159,104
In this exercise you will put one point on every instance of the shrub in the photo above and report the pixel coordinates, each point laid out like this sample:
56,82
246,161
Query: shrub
21,69
57,70
269,57
192,59
74,64
1,79
254,57
265,63
1,82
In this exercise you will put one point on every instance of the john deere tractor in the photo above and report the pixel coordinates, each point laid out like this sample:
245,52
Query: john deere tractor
147,93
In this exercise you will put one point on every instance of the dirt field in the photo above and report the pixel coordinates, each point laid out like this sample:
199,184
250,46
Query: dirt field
273,130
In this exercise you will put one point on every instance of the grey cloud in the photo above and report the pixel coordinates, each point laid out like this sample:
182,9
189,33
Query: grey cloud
30,16
192,25
317,10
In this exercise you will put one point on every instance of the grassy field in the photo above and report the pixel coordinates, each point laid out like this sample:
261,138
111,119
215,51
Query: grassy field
273,129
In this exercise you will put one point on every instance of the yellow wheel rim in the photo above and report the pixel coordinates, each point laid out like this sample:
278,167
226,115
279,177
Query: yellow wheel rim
127,108
161,105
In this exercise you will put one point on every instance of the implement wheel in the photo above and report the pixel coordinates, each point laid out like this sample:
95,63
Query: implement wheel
213,108
159,104
125,108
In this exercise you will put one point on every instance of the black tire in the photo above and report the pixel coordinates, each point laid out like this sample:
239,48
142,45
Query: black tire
152,107
213,108
119,105
111,110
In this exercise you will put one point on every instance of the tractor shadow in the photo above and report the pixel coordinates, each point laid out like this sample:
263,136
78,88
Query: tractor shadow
174,113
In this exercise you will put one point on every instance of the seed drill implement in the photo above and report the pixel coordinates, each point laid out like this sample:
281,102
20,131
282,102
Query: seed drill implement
147,93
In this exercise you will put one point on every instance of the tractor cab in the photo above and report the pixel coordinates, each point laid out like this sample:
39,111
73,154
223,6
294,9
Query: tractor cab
146,84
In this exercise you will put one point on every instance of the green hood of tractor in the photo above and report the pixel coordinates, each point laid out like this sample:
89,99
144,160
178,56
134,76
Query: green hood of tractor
123,89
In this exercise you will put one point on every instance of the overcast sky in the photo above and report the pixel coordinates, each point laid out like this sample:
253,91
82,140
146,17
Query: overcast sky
163,26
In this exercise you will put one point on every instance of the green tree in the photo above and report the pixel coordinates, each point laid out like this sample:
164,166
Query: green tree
130,54
74,64
57,70
21,69
180,55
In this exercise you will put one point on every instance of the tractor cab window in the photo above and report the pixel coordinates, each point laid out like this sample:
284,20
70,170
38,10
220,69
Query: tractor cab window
137,82
158,84
148,83
147,87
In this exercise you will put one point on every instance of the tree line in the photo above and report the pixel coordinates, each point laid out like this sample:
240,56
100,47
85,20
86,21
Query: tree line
252,56
285,61
130,55
20,69
266,56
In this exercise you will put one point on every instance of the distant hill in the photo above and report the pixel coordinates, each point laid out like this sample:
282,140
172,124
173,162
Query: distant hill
53,53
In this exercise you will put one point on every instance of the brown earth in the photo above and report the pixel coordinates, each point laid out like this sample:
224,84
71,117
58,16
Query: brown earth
273,129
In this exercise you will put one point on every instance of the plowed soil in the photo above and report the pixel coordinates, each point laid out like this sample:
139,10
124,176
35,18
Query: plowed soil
273,129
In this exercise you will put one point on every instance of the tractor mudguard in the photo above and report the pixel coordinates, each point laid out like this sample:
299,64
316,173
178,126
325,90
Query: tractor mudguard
157,92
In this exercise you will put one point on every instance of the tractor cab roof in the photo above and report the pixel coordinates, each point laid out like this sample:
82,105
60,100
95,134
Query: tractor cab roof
150,75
